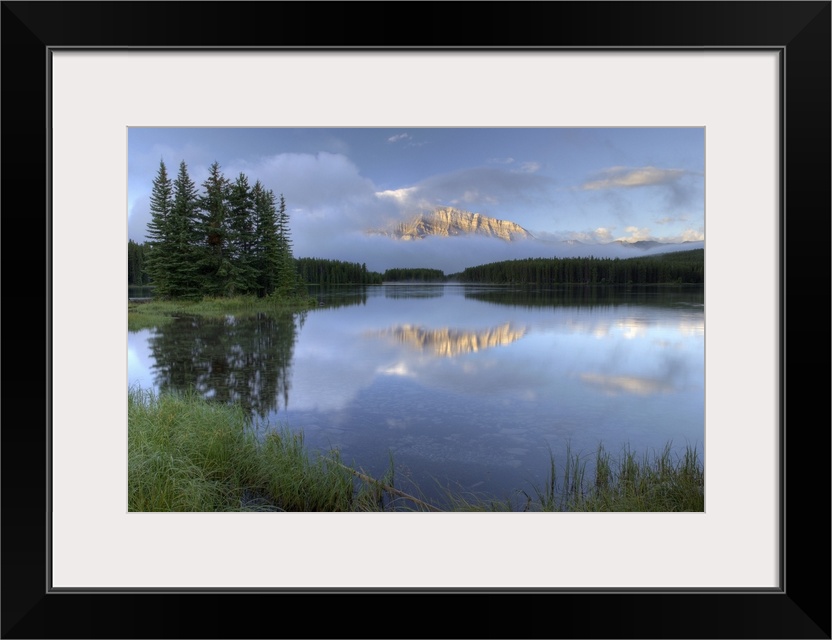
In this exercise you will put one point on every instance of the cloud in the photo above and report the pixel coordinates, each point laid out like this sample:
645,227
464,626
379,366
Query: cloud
474,197
636,234
530,167
602,234
692,235
486,190
671,219
331,206
626,177
400,136
604,242
309,180
138,217
406,200
327,197
325,190
663,192
615,385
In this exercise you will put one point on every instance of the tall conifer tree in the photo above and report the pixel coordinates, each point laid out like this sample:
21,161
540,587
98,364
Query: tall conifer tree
267,249
213,207
287,276
184,235
242,236
160,254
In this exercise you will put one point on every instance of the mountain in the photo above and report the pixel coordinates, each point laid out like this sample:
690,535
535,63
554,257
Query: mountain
448,221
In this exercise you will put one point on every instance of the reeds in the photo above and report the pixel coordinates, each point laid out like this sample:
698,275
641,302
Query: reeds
189,454
186,453
662,482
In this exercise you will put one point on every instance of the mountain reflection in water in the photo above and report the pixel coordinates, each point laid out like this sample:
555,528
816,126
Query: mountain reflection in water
449,342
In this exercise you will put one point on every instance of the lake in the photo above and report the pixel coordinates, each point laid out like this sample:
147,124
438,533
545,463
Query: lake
469,387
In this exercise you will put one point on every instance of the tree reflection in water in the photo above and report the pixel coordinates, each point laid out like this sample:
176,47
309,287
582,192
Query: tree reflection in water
244,360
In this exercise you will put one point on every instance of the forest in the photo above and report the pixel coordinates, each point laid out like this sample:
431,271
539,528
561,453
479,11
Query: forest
324,271
414,275
232,238
681,267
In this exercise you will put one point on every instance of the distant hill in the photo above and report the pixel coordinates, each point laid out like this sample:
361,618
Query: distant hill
448,221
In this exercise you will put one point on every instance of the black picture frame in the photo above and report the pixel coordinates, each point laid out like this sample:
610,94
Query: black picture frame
799,31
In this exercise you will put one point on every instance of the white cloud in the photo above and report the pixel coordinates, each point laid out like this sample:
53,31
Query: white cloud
602,234
626,177
399,195
636,234
396,138
474,197
530,167
488,190
691,235
671,219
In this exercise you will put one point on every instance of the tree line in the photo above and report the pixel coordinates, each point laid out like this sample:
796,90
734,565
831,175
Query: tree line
682,267
137,274
325,271
414,275
232,238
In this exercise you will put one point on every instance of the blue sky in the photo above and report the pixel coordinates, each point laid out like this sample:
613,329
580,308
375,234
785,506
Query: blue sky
591,185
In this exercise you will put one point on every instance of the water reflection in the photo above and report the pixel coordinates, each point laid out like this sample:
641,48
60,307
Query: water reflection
614,385
470,383
245,360
335,297
531,297
398,291
449,342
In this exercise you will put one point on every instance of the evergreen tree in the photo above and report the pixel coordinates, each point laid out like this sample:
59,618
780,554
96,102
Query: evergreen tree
184,278
287,278
231,239
266,251
242,236
136,257
216,268
160,252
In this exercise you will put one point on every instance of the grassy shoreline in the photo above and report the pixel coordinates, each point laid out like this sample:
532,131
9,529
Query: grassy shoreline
156,312
186,453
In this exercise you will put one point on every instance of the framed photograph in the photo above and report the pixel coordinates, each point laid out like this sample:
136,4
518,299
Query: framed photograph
752,77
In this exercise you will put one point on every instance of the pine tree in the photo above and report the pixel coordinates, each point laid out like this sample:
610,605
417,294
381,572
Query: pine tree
231,239
185,280
160,253
136,256
214,225
266,250
242,236
287,276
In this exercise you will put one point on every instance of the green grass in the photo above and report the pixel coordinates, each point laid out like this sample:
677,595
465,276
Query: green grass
186,453
661,482
138,319
145,315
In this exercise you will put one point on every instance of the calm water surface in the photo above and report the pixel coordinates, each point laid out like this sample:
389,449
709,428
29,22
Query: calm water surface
469,387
